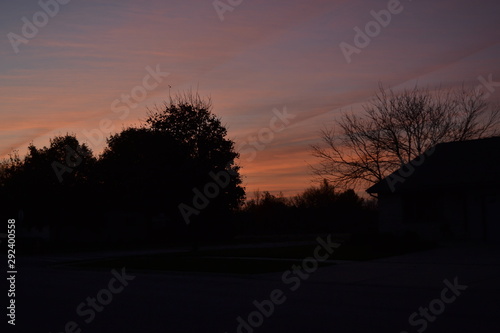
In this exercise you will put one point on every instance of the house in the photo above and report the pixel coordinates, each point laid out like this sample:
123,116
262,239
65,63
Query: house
450,191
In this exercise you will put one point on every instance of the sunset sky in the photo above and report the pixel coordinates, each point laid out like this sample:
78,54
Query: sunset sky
251,59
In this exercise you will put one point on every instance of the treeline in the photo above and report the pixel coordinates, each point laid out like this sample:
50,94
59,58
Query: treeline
173,179
133,190
319,209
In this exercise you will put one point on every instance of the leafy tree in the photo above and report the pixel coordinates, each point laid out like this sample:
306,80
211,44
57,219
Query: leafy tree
189,121
9,168
10,171
316,197
150,169
266,200
163,165
267,213
140,168
51,183
317,209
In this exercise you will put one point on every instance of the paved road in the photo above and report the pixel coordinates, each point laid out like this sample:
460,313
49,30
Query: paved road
374,296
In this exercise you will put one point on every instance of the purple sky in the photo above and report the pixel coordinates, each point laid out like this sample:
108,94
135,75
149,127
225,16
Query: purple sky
73,72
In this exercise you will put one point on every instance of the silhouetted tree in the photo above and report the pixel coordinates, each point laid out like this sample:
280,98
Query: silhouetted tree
398,127
10,174
317,209
189,120
268,213
139,167
165,164
316,197
263,200
177,158
329,210
51,184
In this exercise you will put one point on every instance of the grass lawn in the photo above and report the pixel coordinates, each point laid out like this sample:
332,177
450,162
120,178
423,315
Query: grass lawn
189,263
251,260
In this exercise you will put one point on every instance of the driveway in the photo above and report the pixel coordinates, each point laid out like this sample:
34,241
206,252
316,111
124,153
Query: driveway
457,285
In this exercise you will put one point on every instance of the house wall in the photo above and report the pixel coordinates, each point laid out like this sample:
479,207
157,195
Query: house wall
492,216
454,215
390,213
483,215
474,215
410,213
471,215
433,216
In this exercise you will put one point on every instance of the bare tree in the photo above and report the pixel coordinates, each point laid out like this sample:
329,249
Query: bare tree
395,128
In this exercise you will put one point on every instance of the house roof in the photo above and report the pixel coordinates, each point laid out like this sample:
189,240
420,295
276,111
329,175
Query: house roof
449,166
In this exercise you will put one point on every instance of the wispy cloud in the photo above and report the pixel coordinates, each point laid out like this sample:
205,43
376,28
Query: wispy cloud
264,55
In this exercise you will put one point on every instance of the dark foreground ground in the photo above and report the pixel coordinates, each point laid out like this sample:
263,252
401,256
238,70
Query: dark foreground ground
54,293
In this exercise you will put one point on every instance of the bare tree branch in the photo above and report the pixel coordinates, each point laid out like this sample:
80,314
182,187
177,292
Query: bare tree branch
397,128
